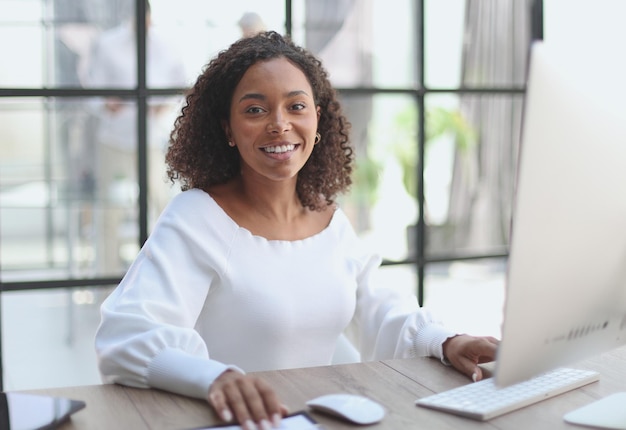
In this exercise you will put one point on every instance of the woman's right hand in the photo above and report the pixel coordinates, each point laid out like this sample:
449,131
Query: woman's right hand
247,399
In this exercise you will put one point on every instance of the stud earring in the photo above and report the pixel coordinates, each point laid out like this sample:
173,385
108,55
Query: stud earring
318,137
231,144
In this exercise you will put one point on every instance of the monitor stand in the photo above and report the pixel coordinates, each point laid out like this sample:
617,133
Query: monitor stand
606,413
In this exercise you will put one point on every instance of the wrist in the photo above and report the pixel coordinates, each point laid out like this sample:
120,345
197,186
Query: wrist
446,348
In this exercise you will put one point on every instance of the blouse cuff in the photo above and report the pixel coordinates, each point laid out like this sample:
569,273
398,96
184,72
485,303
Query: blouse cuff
179,372
432,337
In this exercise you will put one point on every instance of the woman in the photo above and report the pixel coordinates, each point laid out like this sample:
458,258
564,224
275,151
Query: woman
253,266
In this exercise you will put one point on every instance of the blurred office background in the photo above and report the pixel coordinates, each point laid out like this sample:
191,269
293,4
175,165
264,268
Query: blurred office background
434,89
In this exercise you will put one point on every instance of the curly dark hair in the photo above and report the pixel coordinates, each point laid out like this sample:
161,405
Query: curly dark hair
199,156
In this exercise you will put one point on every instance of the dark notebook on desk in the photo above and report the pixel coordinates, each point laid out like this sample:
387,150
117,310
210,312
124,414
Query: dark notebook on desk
20,411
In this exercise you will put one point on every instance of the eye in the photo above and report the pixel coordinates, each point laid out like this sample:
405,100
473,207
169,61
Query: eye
254,109
298,106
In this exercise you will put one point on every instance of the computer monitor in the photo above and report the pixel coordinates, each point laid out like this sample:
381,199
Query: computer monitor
566,276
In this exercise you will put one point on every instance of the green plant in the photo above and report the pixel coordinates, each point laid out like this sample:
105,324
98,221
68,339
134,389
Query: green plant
365,180
439,122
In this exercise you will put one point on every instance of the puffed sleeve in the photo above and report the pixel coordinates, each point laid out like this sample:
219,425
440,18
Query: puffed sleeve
146,337
389,323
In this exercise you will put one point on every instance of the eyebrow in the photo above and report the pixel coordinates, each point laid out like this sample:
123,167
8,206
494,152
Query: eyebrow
257,96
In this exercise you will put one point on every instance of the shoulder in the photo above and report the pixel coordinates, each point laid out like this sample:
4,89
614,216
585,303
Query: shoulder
343,232
192,205
195,215
340,220
192,197
359,249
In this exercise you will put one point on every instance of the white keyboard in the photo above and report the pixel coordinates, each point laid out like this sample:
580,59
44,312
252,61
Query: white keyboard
483,401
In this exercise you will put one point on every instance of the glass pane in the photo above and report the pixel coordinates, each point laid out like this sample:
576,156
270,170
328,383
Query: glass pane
21,32
162,112
199,29
31,181
379,203
47,337
115,171
476,43
58,36
352,38
443,42
395,67
68,188
470,169
110,60
92,43
467,296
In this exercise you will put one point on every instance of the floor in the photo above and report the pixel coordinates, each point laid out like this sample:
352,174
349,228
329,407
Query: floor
48,335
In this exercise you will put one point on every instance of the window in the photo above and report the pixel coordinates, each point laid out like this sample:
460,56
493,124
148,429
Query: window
433,88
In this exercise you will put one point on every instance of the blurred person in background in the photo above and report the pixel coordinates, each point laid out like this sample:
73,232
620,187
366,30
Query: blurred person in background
251,24
113,64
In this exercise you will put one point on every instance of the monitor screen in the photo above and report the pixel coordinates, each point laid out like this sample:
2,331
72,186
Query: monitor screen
566,276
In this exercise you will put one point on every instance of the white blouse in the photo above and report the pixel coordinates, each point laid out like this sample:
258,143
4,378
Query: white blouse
205,295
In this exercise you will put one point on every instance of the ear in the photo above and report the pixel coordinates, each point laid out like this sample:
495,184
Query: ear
226,128
319,112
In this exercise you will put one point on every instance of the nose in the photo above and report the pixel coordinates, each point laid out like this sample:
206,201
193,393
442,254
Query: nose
278,124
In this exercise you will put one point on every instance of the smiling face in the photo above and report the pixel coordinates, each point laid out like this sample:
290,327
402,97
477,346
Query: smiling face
273,120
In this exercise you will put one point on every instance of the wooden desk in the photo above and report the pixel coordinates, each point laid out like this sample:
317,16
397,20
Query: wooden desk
394,383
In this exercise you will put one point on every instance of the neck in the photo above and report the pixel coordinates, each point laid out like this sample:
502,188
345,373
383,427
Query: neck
276,201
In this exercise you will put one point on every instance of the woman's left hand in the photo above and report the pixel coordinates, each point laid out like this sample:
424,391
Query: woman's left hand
465,352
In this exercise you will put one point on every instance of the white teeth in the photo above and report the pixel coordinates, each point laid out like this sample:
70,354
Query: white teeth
279,149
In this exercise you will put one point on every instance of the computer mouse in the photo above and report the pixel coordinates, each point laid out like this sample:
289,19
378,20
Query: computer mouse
351,407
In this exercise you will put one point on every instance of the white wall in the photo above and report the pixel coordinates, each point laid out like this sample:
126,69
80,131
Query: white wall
591,33
586,24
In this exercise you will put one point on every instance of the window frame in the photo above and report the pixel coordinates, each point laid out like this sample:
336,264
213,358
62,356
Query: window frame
419,261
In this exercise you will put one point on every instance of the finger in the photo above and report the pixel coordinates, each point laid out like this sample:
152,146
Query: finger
477,375
238,405
218,401
262,403
273,407
493,340
471,369
465,365
486,351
